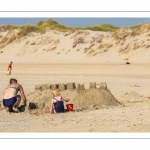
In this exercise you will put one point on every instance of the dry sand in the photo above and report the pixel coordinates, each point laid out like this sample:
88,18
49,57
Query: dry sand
128,83
55,57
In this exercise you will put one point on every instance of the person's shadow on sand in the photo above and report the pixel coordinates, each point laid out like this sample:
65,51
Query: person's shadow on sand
65,110
23,107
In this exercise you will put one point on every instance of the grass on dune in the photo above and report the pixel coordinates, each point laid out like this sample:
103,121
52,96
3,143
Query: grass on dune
42,26
102,27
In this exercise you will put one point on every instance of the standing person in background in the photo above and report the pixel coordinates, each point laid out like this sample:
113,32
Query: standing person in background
10,66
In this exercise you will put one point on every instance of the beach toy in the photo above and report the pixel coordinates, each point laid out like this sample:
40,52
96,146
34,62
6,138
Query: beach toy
69,107
38,113
8,72
126,58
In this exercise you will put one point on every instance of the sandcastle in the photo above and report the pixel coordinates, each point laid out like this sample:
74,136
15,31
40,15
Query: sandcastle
92,98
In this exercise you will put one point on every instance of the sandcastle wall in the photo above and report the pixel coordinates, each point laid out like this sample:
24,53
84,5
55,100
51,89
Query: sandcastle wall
94,96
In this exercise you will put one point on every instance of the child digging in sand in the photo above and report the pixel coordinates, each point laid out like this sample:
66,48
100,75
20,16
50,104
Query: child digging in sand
57,103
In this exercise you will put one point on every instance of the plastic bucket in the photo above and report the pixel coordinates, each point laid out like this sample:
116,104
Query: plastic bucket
69,107
8,72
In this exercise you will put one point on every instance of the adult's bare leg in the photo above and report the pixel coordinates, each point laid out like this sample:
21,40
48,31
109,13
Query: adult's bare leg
16,105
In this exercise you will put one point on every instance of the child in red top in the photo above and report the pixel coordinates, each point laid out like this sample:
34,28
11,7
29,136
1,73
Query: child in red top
10,67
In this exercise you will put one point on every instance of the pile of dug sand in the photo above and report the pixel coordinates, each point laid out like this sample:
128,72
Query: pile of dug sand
133,97
79,96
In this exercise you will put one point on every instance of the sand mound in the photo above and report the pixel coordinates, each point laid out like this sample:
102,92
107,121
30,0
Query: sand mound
142,28
133,97
79,96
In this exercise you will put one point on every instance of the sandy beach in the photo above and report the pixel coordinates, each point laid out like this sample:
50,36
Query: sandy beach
118,100
128,83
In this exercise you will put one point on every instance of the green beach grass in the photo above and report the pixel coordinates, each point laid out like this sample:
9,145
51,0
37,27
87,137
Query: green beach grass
50,24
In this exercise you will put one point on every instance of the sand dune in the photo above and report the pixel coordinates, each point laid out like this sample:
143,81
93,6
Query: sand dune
75,47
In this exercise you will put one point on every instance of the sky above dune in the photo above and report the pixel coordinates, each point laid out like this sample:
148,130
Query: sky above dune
78,22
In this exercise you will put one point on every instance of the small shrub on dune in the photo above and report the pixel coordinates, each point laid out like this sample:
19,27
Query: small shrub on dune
39,23
102,27
91,51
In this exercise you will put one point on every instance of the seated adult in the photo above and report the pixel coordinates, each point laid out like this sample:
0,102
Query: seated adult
11,99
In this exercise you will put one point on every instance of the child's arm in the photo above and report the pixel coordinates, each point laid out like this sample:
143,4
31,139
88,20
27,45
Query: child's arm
66,99
51,106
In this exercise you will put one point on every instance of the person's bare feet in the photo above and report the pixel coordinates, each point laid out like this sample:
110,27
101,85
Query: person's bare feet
7,109
46,110
16,110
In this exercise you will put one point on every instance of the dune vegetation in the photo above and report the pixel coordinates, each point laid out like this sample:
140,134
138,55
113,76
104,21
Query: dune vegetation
50,24
102,27
41,27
